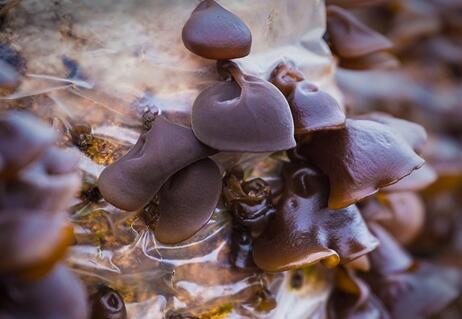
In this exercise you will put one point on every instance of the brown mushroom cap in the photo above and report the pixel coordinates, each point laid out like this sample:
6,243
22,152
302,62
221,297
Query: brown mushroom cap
414,134
360,159
285,77
350,37
421,292
244,115
408,215
187,201
213,32
314,110
303,231
32,241
132,181
57,295
22,140
46,184
374,61
389,257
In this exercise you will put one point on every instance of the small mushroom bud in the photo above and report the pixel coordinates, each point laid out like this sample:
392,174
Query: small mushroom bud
285,77
187,201
244,115
360,159
314,110
107,303
304,231
213,32
132,181
351,38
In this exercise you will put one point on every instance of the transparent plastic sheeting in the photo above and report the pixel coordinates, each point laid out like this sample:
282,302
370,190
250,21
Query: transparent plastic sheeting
104,63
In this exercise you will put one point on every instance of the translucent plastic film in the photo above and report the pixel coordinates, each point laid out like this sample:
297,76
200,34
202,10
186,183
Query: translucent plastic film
99,66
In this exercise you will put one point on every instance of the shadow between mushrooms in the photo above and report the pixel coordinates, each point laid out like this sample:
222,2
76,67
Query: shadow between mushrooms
304,231
360,159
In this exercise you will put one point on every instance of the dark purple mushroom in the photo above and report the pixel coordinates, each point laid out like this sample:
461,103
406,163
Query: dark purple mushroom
350,38
132,181
304,231
360,159
285,77
244,115
213,32
187,201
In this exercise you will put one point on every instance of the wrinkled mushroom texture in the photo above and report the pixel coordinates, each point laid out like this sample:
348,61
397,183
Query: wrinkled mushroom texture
187,201
407,216
374,61
107,303
132,181
414,134
421,292
360,159
304,231
23,139
246,114
32,241
213,32
351,38
57,295
314,109
353,299
389,257
285,77
47,184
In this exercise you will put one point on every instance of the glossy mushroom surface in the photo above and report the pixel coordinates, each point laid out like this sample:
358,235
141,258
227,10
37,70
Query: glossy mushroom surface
304,231
213,32
187,201
351,38
360,159
107,303
246,114
133,180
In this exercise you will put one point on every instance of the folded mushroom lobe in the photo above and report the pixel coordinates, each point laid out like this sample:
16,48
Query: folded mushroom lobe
418,180
132,181
351,38
59,294
32,241
314,109
107,303
285,77
48,184
360,159
213,32
187,201
22,140
303,231
245,115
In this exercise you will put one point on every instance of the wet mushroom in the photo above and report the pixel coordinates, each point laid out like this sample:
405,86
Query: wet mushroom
285,77
360,159
304,231
187,201
213,32
246,114
132,181
350,38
